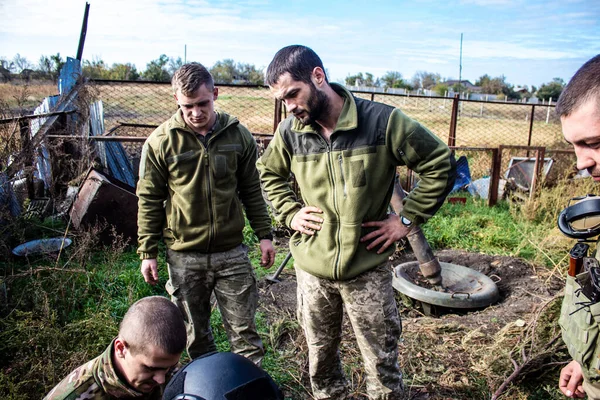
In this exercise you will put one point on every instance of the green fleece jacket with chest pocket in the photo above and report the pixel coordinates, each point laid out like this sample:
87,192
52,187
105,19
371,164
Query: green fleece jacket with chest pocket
194,195
351,179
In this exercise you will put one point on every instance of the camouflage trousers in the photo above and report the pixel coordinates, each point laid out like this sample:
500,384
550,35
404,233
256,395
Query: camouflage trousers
192,279
371,308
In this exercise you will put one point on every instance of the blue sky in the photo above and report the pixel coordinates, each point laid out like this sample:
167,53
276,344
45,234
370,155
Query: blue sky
529,42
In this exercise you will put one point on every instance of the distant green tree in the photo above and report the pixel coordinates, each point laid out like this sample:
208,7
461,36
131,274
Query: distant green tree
126,72
458,88
362,80
355,80
508,90
392,79
58,63
441,89
156,70
95,69
224,71
491,85
20,63
249,74
228,71
45,65
50,66
425,80
174,65
551,90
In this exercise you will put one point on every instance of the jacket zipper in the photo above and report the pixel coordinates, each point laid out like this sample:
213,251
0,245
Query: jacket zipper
337,211
211,235
341,161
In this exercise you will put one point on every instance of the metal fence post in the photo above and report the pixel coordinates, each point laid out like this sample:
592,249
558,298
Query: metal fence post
531,125
453,122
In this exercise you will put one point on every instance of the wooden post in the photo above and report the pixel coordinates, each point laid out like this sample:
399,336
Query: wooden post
453,122
495,176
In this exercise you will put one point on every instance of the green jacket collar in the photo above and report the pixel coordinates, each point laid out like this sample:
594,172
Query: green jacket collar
348,117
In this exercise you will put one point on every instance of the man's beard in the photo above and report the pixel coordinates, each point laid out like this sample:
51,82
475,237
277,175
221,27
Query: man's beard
318,106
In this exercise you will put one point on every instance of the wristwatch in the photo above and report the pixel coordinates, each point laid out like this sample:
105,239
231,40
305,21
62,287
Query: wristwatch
405,221
268,236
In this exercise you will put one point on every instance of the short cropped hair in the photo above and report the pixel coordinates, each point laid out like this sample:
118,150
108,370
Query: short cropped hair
299,61
190,77
584,86
153,321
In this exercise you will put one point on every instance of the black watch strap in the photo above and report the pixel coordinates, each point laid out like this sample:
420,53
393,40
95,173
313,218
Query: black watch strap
268,236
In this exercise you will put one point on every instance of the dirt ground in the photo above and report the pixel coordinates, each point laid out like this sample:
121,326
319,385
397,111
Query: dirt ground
444,355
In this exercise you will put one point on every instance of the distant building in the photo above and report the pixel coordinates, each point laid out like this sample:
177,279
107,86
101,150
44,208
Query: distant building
464,83
519,89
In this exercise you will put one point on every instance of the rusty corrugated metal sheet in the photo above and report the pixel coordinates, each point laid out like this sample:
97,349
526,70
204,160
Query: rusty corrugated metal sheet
104,200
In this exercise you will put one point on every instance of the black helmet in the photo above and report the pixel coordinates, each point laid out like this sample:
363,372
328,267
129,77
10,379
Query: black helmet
222,376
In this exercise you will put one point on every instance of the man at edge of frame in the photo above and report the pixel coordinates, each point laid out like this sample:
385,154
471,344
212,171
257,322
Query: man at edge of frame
579,111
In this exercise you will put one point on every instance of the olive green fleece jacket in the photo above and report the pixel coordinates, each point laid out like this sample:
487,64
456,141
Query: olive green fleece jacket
192,195
351,180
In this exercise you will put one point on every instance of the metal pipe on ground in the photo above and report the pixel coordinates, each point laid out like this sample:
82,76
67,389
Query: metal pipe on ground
428,263
275,277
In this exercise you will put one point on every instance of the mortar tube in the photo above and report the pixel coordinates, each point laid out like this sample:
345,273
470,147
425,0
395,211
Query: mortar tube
428,263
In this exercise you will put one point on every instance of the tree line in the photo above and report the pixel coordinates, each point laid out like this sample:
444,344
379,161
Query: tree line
434,82
158,70
228,71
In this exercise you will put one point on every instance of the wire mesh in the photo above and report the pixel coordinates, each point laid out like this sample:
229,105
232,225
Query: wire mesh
130,105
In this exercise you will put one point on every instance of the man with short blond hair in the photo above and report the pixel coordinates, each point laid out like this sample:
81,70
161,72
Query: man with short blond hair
139,361
197,179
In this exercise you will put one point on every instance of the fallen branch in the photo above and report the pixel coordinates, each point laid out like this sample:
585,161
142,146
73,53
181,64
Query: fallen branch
527,358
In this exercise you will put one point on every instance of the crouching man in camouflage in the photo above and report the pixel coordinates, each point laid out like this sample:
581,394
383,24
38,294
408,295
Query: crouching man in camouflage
579,111
139,361
343,152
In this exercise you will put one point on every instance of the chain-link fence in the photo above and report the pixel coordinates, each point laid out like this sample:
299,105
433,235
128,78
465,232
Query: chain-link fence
469,123
138,106
131,107
475,129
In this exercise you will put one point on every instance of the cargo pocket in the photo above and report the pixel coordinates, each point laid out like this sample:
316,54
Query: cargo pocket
579,328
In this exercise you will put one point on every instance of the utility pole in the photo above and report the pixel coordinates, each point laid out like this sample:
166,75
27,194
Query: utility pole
185,53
